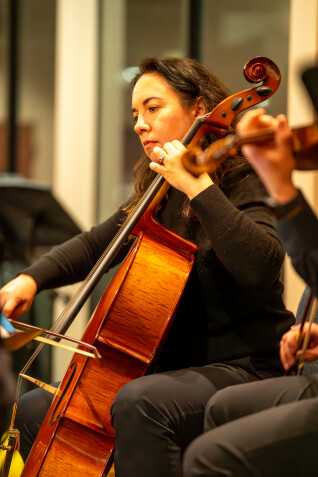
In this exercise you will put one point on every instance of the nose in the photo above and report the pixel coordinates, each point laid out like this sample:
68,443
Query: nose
141,125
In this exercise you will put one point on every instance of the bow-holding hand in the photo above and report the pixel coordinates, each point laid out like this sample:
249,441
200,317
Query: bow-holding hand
170,166
16,296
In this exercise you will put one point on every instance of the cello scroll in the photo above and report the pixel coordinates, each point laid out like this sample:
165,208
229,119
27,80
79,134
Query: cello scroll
256,70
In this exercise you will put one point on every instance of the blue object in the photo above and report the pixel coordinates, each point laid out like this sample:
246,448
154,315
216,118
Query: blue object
6,328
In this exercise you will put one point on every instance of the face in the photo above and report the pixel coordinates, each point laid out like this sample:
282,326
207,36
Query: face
158,113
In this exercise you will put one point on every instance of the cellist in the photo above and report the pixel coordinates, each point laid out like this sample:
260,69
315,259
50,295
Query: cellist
270,428
233,295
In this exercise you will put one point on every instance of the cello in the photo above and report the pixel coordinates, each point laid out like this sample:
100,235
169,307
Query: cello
76,436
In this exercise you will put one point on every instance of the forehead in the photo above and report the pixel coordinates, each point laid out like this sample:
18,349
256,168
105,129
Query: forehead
152,85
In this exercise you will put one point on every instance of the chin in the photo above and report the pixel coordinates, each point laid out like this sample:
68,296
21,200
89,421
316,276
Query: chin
151,156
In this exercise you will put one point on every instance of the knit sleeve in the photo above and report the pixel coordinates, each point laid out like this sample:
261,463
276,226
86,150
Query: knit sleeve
240,228
299,233
71,261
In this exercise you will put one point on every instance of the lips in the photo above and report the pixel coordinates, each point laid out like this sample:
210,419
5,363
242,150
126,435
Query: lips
149,144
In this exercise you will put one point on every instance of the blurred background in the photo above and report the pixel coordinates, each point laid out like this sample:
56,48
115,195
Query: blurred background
66,130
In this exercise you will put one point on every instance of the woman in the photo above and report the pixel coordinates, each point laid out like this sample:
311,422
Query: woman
233,291
271,427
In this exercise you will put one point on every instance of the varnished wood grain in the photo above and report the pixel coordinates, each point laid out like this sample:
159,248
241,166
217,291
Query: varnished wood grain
128,328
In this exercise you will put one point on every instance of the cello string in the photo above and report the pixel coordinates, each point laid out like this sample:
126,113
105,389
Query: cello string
144,200
265,69
31,473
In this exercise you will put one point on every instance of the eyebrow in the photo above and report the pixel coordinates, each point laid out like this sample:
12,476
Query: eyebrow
145,101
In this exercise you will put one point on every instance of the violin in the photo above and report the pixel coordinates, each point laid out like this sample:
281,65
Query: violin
133,317
304,142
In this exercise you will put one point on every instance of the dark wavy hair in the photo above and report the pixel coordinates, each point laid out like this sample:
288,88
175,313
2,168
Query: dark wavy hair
190,80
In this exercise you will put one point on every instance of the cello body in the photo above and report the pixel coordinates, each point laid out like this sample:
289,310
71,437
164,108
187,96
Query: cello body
128,328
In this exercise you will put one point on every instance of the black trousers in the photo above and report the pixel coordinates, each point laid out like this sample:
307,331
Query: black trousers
7,388
31,411
263,429
155,417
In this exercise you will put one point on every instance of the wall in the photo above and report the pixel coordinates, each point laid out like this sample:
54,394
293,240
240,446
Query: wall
303,51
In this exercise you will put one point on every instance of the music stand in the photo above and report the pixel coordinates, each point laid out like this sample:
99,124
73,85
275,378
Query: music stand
31,222
31,217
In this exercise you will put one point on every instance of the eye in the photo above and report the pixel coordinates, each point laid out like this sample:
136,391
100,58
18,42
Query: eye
135,118
152,109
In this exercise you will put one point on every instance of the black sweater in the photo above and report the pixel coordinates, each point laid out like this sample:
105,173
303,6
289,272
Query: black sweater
232,305
298,230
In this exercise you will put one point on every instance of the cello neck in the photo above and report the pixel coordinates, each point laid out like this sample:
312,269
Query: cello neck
150,199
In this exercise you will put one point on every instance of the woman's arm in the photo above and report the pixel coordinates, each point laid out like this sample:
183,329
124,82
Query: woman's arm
240,228
237,221
67,263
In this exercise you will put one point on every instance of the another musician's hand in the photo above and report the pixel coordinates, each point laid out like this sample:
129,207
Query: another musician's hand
289,353
16,296
288,348
175,173
273,161
312,349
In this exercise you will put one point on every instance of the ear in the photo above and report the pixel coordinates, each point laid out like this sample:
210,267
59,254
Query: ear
199,107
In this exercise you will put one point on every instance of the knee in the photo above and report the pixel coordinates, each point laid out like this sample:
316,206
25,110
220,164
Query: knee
216,410
31,410
132,402
125,399
190,461
143,401
197,459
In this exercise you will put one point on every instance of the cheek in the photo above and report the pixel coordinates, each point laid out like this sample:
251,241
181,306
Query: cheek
173,125
175,129
183,122
181,130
